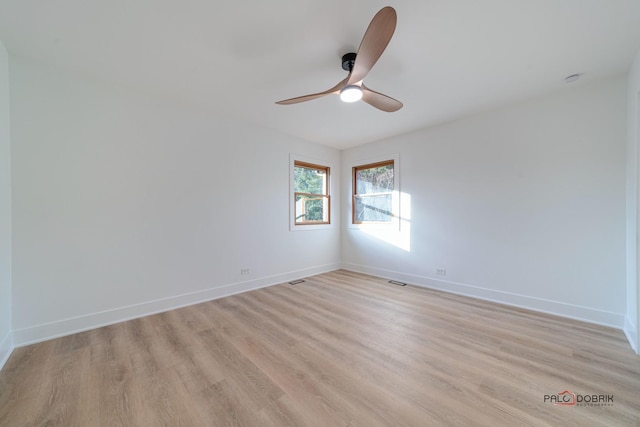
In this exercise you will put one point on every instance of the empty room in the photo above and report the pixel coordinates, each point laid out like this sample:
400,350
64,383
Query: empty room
319,213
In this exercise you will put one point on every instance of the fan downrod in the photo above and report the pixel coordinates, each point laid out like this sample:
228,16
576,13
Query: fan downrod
348,59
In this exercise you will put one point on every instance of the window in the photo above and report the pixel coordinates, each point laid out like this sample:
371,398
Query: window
311,204
373,187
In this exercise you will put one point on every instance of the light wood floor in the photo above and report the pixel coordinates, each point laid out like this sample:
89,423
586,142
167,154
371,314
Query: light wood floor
341,349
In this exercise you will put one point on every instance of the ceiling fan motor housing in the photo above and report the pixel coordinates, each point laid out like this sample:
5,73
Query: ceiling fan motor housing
348,59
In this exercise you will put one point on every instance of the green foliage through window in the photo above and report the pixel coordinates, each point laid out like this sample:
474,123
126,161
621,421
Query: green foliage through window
311,193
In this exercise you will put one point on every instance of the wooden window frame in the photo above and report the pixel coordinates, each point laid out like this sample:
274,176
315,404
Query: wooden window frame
354,194
327,195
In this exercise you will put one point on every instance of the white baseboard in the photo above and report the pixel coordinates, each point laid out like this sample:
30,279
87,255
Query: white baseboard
6,348
632,333
615,320
43,332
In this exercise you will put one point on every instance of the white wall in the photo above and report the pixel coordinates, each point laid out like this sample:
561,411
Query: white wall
524,205
125,205
6,341
632,320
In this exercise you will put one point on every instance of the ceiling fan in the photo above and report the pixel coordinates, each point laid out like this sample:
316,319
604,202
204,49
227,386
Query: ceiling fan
351,89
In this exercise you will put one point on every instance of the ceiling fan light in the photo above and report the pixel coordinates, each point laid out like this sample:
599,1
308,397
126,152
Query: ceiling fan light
351,93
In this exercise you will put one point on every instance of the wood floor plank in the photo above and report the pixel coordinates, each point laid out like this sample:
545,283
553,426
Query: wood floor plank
285,413
340,349
240,373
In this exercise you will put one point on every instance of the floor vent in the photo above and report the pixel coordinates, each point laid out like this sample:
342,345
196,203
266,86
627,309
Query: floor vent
393,282
296,282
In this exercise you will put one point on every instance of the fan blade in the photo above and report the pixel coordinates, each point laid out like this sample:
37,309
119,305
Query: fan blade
336,89
380,101
374,42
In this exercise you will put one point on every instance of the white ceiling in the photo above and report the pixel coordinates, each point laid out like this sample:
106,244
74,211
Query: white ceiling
447,59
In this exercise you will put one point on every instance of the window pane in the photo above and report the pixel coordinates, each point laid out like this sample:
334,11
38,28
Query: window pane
311,208
376,208
374,180
307,180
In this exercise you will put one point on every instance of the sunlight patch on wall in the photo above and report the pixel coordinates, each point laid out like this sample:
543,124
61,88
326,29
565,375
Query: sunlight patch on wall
398,233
